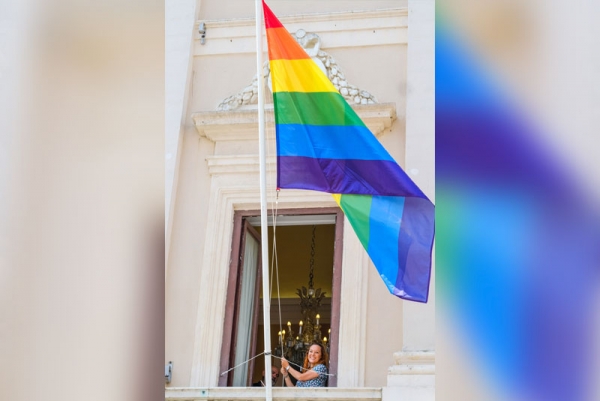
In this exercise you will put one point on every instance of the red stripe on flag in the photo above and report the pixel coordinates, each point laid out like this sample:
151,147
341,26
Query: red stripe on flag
271,20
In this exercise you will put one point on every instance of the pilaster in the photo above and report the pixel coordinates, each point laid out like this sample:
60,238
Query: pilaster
412,377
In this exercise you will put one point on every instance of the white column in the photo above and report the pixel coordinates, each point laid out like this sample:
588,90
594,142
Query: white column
413,375
419,319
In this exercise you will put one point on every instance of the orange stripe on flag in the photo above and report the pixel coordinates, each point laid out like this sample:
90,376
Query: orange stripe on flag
283,46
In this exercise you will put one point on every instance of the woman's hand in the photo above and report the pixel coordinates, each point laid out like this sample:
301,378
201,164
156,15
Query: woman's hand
283,372
284,363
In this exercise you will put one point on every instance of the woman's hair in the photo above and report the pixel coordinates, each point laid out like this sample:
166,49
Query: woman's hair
324,357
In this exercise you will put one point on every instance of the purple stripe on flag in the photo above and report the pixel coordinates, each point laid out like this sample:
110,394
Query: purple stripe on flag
414,249
366,177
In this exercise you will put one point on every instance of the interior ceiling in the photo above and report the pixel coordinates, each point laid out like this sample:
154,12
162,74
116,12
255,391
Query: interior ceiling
293,257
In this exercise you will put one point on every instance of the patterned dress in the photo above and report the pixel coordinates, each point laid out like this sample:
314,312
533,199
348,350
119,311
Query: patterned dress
317,382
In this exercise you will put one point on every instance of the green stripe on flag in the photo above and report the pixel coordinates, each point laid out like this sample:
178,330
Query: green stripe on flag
357,209
314,108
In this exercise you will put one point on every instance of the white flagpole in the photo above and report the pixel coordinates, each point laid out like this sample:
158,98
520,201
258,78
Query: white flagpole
263,202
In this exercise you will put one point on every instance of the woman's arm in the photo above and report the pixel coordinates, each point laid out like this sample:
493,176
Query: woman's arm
308,375
286,378
287,368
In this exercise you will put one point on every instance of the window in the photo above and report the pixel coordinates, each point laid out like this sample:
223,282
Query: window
243,327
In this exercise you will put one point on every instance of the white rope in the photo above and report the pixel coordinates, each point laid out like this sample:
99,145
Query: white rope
277,261
246,361
274,260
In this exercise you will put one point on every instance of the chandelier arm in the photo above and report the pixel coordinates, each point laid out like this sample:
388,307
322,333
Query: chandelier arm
312,259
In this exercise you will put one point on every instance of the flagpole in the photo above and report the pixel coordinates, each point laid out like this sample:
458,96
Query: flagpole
263,202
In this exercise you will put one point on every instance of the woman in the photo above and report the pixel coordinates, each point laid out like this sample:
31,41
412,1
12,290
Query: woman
314,371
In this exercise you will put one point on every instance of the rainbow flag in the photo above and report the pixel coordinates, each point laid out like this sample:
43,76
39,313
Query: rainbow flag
323,145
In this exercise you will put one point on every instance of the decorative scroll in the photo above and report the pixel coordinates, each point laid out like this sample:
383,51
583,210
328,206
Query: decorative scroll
311,43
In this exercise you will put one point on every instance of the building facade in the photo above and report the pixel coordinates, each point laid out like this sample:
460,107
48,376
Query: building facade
380,54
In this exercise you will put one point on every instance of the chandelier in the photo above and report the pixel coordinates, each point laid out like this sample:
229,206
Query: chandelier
293,346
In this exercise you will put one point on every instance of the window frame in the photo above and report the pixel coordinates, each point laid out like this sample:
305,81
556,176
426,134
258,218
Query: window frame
229,332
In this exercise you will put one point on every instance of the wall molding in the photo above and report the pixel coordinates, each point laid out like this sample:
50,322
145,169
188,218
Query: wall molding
242,125
353,311
224,199
336,29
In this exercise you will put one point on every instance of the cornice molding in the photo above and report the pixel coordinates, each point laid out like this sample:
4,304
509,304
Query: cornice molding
312,17
237,164
239,125
337,29
403,370
413,363
414,357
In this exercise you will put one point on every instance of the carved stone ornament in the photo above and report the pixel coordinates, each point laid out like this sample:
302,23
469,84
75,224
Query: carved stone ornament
311,43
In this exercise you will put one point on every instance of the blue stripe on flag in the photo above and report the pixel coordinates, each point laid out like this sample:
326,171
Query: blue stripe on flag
330,142
385,220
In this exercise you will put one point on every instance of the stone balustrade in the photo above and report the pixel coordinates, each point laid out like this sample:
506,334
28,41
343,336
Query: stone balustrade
279,394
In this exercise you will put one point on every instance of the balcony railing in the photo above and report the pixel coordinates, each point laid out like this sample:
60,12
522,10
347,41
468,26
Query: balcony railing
279,394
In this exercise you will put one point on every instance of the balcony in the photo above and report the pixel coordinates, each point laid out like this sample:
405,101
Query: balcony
279,394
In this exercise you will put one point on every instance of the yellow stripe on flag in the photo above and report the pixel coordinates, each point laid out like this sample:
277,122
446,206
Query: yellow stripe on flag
299,76
337,197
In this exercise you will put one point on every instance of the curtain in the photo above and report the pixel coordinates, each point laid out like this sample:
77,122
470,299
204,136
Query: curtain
246,314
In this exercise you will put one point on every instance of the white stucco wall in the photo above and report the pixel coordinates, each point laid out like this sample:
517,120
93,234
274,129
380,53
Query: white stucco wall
180,16
412,377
